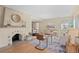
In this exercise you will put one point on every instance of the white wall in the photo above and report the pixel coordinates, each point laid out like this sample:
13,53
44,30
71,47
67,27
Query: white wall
1,16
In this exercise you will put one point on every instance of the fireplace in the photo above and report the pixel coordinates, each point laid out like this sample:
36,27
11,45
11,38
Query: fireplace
16,37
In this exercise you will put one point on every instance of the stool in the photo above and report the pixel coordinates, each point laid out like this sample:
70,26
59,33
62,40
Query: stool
40,38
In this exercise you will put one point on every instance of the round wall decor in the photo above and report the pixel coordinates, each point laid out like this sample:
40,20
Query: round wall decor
15,18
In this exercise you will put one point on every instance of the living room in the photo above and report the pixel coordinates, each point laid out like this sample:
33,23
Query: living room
39,28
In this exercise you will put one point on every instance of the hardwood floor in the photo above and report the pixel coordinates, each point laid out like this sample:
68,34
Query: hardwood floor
21,47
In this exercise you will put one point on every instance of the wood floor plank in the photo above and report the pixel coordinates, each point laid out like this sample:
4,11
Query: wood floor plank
22,47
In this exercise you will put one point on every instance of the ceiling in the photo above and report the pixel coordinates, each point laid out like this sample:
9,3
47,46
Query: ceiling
45,11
